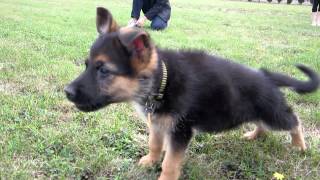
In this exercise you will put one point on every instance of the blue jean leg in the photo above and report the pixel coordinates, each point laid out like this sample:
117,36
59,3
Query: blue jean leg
136,8
315,5
158,24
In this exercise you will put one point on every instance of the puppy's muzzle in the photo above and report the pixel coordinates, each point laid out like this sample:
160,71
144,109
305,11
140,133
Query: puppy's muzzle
70,92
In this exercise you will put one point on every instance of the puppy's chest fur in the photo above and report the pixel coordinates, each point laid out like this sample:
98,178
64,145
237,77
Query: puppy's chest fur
207,93
161,122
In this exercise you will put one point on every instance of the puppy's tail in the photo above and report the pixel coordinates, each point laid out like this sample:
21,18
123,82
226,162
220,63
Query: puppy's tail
300,87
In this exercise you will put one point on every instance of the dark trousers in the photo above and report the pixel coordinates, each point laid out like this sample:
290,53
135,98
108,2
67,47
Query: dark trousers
316,5
156,23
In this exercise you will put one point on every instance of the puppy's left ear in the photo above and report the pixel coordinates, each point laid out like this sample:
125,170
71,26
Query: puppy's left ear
134,39
105,22
138,44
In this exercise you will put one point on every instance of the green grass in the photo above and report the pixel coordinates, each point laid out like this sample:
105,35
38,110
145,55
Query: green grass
43,44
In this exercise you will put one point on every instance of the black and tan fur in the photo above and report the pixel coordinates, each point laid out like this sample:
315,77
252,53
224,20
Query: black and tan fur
203,92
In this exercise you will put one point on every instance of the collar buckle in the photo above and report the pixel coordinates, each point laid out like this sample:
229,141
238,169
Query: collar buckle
149,106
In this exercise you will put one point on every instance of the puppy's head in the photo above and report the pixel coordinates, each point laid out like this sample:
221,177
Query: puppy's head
118,60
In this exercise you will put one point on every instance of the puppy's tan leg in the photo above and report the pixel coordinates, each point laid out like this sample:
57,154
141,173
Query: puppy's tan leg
156,138
258,131
177,140
298,137
171,165
155,147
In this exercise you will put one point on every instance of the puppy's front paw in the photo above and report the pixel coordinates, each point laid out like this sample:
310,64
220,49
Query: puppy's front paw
251,135
147,160
169,176
299,143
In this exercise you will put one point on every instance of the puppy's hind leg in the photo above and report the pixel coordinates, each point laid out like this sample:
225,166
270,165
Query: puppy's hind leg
258,131
288,121
297,137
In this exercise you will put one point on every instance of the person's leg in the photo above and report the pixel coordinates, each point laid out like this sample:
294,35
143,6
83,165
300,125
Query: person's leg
314,12
136,8
318,14
158,24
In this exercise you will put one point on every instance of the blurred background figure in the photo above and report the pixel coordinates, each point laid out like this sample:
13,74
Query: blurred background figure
315,13
156,11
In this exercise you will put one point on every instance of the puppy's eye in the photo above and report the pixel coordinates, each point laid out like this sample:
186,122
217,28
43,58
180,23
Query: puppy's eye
104,70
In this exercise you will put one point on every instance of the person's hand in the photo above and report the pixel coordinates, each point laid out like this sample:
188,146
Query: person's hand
141,21
132,22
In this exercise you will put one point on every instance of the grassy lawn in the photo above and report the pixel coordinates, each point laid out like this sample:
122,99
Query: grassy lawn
42,47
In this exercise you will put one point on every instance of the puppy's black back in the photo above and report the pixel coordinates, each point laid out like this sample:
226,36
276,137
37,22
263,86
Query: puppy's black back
213,94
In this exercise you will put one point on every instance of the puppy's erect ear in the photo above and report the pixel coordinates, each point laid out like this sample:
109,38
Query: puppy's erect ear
138,43
134,38
105,22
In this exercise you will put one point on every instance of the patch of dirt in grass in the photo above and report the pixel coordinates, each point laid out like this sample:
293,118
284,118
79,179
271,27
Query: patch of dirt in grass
302,103
5,67
39,175
22,86
142,142
312,131
232,171
66,110
63,107
106,174
87,174
65,117
237,10
9,88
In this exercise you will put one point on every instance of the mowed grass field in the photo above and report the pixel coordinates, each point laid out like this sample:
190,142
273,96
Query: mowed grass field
42,48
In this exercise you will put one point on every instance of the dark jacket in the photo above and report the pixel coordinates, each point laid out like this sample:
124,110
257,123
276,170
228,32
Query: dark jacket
152,8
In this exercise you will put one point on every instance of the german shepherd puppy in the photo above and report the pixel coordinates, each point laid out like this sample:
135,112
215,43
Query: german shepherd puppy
182,91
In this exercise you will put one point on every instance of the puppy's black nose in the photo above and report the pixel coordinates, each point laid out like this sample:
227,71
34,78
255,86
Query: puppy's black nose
70,92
